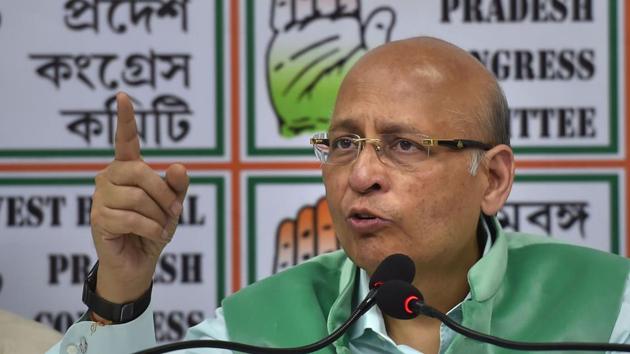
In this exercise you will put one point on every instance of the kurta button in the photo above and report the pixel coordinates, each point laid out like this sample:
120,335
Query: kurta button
83,346
72,349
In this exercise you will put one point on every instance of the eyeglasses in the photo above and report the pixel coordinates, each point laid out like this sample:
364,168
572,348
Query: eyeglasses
405,151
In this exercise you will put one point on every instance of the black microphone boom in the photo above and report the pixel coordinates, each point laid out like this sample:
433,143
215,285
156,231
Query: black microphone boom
362,308
394,267
402,300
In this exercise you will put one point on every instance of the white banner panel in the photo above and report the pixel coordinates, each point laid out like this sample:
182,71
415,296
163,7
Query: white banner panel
59,79
46,249
558,62
284,231
577,207
581,208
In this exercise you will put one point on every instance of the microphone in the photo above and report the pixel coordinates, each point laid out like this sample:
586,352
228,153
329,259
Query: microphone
399,299
394,267
402,300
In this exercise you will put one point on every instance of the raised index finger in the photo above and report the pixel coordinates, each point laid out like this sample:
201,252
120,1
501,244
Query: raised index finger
126,145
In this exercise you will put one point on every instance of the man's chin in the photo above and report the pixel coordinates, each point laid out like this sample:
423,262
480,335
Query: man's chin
369,260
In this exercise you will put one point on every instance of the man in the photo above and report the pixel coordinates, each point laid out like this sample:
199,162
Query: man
416,161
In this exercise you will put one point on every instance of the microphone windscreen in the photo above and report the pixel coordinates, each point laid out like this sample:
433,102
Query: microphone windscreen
394,298
396,266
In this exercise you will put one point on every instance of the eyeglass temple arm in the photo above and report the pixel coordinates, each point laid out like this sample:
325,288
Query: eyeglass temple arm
462,144
324,141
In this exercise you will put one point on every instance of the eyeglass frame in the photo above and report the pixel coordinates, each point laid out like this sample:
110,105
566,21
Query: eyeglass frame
425,141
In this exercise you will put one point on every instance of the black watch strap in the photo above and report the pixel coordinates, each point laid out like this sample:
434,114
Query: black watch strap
117,313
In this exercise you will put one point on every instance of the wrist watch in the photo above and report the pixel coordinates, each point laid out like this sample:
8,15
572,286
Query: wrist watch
117,313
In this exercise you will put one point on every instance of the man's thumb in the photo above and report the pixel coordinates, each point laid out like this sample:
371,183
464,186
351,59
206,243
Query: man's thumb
378,27
178,180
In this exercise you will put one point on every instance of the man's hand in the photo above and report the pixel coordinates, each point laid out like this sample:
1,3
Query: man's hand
134,214
313,46
311,234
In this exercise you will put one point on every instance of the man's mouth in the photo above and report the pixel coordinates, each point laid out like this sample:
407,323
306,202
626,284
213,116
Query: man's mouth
363,216
366,222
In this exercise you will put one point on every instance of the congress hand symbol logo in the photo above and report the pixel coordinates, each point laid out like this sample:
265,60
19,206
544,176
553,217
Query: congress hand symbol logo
313,46
311,233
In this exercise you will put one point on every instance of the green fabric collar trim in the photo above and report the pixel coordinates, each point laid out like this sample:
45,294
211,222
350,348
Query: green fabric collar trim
485,276
342,307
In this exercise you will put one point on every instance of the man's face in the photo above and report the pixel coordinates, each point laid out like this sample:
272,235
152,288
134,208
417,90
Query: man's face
430,213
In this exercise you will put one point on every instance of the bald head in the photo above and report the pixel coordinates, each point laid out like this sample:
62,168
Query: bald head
440,73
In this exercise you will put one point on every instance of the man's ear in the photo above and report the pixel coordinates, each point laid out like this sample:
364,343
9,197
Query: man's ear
499,164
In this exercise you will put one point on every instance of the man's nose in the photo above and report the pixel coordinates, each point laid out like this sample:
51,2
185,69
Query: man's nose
368,173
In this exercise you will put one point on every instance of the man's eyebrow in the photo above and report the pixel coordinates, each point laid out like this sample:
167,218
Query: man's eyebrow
345,124
353,126
397,128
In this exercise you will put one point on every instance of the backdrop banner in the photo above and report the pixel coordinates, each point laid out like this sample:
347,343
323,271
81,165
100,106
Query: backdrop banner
234,89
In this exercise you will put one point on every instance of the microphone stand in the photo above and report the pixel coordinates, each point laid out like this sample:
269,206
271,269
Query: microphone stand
361,309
